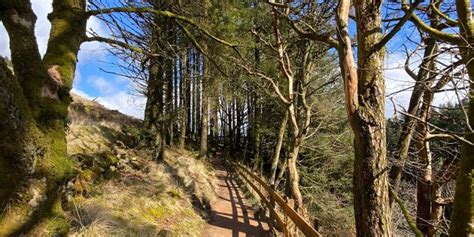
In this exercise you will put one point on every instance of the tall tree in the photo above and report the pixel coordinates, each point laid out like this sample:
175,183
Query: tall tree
463,201
35,102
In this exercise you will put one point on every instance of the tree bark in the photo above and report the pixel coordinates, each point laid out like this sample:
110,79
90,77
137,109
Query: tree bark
37,97
205,113
423,194
294,178
364,93
463,216
153,120
188,91
169,102
184,100
276,152
214,107
197,98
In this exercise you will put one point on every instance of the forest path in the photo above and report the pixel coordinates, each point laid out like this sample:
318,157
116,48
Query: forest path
230,214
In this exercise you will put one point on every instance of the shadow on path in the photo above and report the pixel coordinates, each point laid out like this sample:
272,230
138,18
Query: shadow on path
230,215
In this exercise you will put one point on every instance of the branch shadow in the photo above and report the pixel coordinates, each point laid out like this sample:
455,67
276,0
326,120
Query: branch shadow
231,221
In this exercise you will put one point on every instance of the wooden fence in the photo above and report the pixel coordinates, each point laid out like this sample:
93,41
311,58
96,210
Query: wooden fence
272,198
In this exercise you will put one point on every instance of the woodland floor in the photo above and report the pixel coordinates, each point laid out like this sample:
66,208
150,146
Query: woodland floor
231,214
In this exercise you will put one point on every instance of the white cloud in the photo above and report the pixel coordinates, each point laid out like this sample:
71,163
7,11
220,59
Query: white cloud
93,51
122,101
110,95
113,94
42,29
95,25
398,84
81,94
4,42
42,8
125,103
102,85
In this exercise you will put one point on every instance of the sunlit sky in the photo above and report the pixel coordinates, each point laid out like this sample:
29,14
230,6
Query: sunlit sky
117,92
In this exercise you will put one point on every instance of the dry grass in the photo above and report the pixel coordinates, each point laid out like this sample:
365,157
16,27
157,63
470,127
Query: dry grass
193,175
83,112
134,202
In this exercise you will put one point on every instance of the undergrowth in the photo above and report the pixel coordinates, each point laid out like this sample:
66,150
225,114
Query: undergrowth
119,191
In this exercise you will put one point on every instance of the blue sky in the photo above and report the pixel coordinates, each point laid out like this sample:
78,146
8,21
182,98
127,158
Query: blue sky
112,91
117,93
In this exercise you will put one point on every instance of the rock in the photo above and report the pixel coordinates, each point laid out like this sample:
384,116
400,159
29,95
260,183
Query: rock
70,185
37,198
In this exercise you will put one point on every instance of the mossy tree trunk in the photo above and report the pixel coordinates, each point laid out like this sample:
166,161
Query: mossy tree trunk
36,102
256,136
239,119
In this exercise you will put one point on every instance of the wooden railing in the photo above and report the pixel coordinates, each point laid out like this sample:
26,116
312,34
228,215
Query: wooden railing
272,198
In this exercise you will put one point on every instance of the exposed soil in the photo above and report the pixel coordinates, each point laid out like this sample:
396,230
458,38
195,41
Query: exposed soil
231,215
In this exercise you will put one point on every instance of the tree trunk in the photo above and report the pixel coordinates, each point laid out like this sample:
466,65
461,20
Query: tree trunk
279,177
205,113
238,127
189,97
33,157
197,98
293,176
423,195
276,152
214,107
365,99
184,100
153,120
409,123
463,217
256,159
169,113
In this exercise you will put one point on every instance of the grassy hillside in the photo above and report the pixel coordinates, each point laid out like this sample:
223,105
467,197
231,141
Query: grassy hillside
119,190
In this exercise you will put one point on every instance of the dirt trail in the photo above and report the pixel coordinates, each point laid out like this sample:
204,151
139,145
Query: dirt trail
230,214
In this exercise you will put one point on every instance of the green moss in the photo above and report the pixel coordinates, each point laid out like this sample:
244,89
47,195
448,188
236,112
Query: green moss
67,31
56,165
58,225
18,132
156,212
175,193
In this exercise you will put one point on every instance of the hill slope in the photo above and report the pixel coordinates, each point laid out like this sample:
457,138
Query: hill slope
119,190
